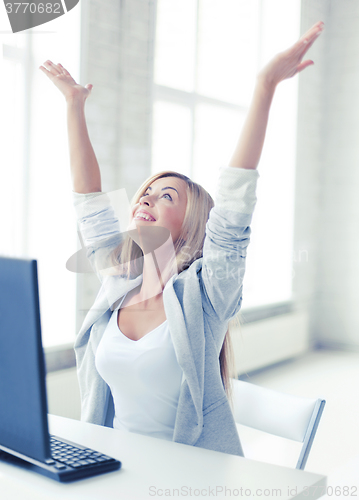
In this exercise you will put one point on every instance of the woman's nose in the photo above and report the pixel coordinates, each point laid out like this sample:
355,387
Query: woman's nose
146,200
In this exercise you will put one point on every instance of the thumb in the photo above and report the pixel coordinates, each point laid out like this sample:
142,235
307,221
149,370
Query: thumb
89,86
304,65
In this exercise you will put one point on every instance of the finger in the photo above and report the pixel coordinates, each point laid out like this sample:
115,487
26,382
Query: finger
53,69
304,65
313,31
298,51
303,45
308,45
48,73
63,69
44,70
307,40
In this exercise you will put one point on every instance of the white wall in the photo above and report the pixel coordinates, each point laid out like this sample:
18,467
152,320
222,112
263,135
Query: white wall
328,177
336,320
63,394
270,341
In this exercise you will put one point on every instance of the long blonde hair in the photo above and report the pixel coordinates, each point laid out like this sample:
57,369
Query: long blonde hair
188,248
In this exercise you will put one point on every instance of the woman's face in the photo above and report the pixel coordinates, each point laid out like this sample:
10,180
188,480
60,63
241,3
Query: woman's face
165,202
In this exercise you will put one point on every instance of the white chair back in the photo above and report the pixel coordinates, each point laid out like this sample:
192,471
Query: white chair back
277,413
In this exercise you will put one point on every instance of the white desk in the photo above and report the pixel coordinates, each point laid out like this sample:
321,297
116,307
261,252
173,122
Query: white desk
150,466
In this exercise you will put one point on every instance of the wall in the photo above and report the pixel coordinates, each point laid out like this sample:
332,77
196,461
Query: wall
309,163
328,178
269,341
336,320
63,394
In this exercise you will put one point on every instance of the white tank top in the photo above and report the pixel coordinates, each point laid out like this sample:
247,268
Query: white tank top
144,378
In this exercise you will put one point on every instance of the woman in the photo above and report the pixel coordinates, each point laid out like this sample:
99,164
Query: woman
151,353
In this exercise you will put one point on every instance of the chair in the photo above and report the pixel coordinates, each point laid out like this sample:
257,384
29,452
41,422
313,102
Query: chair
278,413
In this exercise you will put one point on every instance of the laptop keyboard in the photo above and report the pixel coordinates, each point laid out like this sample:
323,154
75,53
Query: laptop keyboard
67,455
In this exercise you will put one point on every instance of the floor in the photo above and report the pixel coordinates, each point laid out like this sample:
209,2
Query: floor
333,375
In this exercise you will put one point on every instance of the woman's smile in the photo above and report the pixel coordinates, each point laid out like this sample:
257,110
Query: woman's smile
143,215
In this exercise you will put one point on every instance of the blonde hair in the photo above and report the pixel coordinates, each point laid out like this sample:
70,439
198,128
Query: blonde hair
128,256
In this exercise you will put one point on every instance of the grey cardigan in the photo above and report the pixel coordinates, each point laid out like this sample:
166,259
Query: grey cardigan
198,302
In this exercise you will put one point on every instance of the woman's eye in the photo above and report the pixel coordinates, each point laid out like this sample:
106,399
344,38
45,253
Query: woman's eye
166,194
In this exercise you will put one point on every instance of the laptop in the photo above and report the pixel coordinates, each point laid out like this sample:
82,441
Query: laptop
24,433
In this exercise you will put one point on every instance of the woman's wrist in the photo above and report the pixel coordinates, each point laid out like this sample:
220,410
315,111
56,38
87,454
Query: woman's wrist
75,100
265,85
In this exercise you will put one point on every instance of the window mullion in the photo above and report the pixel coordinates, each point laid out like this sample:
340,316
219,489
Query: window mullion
260,35
26,144
194,100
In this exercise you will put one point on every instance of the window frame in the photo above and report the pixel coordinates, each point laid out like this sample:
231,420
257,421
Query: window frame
59,356
191,100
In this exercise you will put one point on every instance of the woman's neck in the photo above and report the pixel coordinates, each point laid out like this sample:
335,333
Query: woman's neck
158,267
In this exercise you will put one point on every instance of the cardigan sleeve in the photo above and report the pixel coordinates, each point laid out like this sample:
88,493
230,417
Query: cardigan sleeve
99,228
226,241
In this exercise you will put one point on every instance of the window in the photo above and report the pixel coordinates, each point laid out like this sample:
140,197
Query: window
37,216
207,55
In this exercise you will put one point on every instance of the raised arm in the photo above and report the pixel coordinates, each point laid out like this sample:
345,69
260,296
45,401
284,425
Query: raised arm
85,171
284,65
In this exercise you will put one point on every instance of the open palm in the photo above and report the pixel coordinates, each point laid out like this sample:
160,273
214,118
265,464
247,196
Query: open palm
288,63
64,81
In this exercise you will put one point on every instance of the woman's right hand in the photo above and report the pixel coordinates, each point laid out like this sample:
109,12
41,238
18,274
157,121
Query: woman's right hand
64,81
288,63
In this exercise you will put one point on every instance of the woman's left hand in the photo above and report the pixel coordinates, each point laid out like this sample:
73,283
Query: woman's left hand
288,63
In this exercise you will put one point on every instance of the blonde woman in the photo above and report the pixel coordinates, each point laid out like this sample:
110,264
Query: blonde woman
152,353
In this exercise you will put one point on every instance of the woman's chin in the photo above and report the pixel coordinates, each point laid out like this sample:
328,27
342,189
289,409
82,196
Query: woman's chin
149,237
138,223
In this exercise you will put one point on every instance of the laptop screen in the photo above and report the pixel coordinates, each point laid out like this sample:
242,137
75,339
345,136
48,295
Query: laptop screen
23,403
